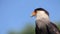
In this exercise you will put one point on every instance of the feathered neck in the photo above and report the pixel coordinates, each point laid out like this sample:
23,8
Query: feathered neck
42,15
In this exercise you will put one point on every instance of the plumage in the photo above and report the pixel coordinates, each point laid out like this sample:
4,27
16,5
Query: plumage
52,28
43,23
41,28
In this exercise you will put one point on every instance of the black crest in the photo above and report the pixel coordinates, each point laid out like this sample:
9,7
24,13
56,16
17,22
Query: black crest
41,9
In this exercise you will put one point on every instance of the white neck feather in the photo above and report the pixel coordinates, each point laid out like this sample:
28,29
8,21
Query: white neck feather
42,19
41,15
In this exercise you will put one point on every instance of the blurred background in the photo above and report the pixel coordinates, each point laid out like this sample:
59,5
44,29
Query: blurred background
15,15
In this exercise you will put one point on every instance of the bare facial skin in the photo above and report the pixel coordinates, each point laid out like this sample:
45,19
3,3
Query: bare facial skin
33,14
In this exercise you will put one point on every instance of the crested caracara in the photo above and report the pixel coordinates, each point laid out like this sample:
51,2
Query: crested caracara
43,23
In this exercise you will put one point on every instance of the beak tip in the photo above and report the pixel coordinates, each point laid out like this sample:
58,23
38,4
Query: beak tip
31,16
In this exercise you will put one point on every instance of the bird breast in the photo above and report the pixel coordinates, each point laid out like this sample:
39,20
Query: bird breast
41,23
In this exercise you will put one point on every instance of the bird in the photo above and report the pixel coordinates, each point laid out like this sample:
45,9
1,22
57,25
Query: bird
43,23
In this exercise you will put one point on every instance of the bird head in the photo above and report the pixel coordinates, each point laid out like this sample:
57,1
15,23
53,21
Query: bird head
40,11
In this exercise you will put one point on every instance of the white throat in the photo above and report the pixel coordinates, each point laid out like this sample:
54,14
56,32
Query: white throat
42,19
41,15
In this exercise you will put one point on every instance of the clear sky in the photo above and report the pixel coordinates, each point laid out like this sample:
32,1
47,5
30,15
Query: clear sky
14,14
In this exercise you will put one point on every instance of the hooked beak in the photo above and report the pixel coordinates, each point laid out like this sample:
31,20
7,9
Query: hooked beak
33,14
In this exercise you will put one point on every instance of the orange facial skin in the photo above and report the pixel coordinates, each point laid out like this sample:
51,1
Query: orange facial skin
34,13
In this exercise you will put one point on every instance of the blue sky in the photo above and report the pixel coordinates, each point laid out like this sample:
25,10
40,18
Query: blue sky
14,14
